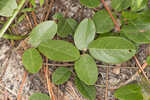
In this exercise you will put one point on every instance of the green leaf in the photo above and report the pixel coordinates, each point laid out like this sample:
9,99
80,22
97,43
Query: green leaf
86,69
88,91
39,96
129,92
112,49
7,7
41,2
138,31
103,22
137,5
128,15
32,60
59,50
119,5
90,3
42,32
33,3
84,34
58,16
148,60
66,26
61,75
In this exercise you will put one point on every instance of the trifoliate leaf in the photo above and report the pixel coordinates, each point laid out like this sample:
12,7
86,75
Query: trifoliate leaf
129,92
7,7
112,49
42,32
61,75
86,69
39,96
59,50
32,60
90,3
84,34
103,22
88,91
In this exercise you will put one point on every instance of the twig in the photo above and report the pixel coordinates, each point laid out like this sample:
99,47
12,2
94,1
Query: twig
49,82
29,21
7,24
21,86
49,9
34,17
115,22
104,66
106,90
138,63
133,77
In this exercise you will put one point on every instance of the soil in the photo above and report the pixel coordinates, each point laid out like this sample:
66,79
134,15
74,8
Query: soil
12,69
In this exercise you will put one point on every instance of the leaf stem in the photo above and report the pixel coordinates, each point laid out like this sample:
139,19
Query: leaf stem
14,37
10,20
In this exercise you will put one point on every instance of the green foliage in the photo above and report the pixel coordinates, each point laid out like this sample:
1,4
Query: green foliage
88,91
137,30
103,22
66,27
86,69
39,96
84,34
32,60
42,32
41,2
148,60
7,7
112,49
137,5
129,92
61,75
59,50
119,5
90,3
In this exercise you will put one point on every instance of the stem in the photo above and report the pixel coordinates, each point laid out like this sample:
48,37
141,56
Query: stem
14,37
10,20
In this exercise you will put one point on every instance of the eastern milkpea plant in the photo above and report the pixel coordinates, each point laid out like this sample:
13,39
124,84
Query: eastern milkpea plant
96,39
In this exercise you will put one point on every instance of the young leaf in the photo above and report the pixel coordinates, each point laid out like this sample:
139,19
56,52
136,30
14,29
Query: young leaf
84,34
61,75
32,60
103,22
58,16
119,5
112,49
66,26
33,3
7,7
59,50
41,2
39,96
129,92
90,3
86,69
88,91
42,32
138,31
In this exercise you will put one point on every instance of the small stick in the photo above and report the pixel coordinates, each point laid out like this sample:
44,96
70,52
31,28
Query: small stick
138,63
21,86
106,90
49,82
34,17
49,9
115,22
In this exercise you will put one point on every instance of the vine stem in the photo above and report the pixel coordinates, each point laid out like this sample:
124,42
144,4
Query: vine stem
115,22
10,20
14,37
